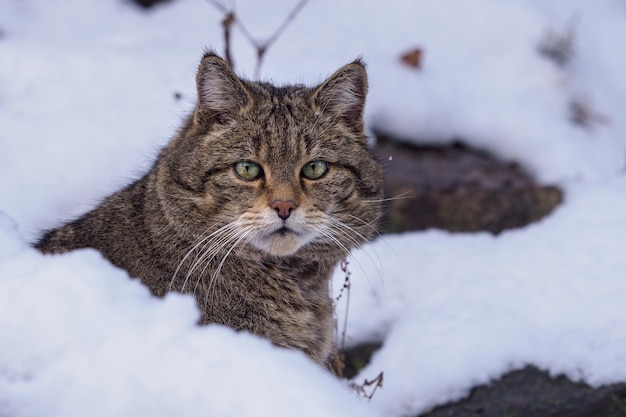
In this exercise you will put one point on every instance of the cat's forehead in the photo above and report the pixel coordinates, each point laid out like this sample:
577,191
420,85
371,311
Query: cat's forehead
280,115
282,126
268,97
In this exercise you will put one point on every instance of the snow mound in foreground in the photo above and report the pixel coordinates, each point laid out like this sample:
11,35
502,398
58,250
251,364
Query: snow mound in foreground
81,338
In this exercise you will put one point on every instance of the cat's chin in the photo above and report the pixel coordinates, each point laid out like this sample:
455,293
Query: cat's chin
283,242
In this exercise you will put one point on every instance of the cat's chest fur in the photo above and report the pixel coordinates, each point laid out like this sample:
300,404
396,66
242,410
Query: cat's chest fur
250,207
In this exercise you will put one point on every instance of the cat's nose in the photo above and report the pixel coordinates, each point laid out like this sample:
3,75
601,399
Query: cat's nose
283,208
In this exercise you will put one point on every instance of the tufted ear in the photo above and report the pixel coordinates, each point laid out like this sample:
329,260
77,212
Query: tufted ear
343,93
221,95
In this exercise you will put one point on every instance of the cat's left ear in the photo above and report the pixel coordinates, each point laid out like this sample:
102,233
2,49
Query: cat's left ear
343,94
221,94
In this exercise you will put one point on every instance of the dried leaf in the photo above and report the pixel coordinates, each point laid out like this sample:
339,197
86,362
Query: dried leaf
582,113
413,58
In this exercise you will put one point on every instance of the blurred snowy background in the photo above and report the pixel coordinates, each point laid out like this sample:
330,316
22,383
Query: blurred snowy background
90,90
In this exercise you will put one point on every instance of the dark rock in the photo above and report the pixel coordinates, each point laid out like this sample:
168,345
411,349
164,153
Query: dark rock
527,392
460,189
457,188
146,4
530,392
355,359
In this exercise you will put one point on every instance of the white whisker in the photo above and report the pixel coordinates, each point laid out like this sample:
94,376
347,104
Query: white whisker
217,274
351,234
382,239
195,246
213,250
200,241
402,196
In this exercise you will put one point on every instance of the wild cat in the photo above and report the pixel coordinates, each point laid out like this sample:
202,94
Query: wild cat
251,205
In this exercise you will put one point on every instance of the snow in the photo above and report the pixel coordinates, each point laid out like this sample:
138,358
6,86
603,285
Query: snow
457,310
79,337
87,100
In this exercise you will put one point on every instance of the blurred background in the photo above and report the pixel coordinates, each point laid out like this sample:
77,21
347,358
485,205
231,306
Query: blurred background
502,128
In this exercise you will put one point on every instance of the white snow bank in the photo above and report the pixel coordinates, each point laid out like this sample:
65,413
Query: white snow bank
87,98
483,81
79,337
456,310
88,87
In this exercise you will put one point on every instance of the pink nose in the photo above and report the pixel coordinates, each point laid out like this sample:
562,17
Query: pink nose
283,208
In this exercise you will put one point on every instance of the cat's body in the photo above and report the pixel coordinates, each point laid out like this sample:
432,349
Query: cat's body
250,207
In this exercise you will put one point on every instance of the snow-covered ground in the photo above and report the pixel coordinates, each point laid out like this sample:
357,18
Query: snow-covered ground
87,98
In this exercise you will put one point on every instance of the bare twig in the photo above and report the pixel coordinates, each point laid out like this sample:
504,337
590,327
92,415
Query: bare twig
227,23
559,45
346,287
338,359
261,47
290,17
582,113
361,389
219,6
246,34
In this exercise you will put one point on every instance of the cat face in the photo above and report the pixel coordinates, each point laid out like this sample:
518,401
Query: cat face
281,170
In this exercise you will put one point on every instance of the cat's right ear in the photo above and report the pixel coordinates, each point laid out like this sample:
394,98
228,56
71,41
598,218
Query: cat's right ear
221,95
343,94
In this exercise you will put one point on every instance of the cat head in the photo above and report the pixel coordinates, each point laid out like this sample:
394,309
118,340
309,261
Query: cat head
281,170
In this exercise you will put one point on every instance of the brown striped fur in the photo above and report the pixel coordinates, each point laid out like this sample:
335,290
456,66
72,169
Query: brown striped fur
191,224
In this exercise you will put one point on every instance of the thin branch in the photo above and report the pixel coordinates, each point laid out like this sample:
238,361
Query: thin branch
346,286
338,359
559,46
246,34
290,17
261,47
227,23
219,6
583,114
365,385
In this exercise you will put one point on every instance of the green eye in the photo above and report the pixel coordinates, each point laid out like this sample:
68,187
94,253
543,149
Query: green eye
248,170
315,170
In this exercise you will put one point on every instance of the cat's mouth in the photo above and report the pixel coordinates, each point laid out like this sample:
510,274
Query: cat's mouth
282,241
284,231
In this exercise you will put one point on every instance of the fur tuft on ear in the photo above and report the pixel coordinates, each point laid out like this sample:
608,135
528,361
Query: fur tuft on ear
221,94
343,93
